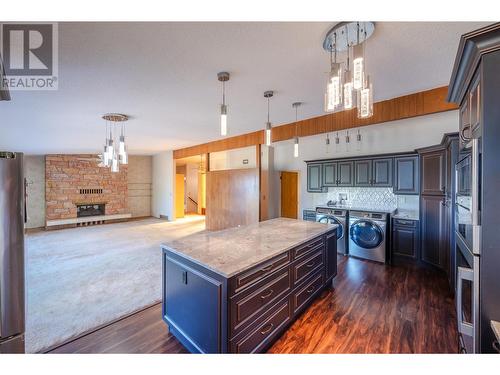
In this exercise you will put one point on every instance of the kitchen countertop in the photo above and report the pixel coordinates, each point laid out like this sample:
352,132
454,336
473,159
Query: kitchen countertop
409,215
231,251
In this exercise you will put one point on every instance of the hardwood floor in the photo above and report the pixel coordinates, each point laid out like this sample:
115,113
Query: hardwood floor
371,308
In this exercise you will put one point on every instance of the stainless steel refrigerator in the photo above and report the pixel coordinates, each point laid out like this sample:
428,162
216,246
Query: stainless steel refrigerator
12,205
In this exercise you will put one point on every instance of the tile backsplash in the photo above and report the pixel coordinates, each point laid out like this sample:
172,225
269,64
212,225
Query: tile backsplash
369,196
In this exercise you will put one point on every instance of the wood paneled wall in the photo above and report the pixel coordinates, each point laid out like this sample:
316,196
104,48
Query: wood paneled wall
403,107
232,198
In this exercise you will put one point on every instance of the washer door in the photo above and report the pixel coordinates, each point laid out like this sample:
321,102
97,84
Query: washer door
333,220
366,234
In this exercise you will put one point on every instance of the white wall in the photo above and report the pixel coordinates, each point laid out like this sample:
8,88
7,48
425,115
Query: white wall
163,185
233,159
395,136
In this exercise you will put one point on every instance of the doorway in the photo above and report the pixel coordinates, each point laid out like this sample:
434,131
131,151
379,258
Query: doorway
289,194
190,192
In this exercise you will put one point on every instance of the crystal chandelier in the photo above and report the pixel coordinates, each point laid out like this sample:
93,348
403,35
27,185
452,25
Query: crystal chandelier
113,156
348,85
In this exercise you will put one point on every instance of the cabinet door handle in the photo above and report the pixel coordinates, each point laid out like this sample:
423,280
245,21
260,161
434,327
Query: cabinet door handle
266,329
267,295
310,289
309,265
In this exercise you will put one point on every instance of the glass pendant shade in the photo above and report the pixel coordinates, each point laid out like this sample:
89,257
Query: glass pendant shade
114,164
365,100
268,134
111,149
296,147
349,92
121,146
358,66
223,119
123,157
333,94
105,156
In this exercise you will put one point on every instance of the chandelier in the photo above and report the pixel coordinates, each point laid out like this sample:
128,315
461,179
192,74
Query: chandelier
112,156
348,85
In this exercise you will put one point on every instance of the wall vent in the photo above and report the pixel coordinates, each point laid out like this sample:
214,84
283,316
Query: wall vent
90,191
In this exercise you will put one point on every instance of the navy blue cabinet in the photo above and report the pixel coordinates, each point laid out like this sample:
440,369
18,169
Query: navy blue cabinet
406,173
247,312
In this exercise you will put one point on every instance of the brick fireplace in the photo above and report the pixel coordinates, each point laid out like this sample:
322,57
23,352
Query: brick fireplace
77,180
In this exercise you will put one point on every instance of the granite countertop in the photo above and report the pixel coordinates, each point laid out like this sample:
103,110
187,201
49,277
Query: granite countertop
409,215
383,209
230,251
496,329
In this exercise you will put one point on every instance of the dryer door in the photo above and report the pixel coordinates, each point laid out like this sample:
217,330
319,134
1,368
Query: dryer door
333,220
366,234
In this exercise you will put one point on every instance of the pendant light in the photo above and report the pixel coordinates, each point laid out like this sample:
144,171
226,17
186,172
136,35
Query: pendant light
333,94
358,141
114,156
327,143
350,87
223,77
296,105
268,94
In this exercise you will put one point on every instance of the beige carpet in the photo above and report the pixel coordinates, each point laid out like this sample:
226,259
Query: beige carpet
78,279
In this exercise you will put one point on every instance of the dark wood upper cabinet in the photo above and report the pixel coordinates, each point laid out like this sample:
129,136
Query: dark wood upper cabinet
406,175
314,178
345,173
433,172
433,227
382,172
330,174
363,173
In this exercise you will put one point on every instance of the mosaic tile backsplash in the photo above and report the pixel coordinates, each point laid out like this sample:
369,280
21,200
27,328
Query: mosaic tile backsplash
369,196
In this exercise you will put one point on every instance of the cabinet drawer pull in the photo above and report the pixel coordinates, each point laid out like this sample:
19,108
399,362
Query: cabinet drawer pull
310,289
267,295
266,329
311,264
268,268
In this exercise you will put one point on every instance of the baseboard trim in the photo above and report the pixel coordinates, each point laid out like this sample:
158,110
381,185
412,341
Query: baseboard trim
86,333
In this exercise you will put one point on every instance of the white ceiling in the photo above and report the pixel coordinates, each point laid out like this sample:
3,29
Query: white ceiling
164,76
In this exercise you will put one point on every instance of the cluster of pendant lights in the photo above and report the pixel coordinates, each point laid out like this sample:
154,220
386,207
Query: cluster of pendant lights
113,155
348,85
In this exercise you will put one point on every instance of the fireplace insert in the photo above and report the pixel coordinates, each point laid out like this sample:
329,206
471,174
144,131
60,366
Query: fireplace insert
85,210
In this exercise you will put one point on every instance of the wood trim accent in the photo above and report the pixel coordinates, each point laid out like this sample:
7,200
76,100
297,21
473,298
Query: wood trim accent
403,107
239,141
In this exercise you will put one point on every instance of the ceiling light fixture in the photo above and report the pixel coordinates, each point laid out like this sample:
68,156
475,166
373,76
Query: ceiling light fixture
351,86
223,77
296,105
268,95
111,156
4,89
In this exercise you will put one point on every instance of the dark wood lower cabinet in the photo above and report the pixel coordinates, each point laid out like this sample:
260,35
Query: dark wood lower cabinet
405,241
433,226
247,312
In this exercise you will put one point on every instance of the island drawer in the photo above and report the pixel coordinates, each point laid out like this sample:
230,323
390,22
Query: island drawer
253,275
305,249
308,266
258,338
305,294
245,305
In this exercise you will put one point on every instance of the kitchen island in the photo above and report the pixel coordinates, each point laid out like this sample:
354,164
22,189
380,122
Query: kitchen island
237,290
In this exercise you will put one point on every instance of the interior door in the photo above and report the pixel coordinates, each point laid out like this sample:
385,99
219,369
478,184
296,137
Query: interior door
179,196
289,194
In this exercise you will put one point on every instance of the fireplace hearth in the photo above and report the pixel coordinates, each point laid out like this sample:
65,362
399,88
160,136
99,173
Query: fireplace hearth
86,210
